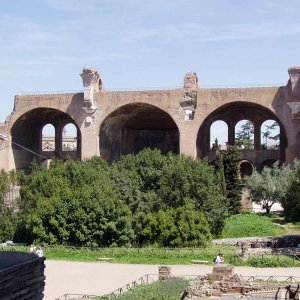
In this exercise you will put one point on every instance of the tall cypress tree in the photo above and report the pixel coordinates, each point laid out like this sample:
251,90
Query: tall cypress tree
219,171
231,159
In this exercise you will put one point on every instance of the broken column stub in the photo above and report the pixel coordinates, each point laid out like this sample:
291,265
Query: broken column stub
189,101
294,82
91,85
293,91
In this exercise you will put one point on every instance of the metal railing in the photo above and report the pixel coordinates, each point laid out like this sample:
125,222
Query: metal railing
145,279
277,279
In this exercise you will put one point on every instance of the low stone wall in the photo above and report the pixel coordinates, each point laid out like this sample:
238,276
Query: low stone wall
286,241
270,251
21,276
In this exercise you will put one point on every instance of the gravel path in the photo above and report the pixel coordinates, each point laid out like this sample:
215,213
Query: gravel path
100,278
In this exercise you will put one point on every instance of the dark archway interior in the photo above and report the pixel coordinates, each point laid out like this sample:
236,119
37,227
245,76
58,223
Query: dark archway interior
232,113
246,169
267,163
27,132
134,127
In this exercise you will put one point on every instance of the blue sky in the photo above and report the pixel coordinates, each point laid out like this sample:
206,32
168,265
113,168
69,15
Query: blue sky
145,44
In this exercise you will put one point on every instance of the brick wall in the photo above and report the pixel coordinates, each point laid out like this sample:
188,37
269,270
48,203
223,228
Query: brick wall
21,276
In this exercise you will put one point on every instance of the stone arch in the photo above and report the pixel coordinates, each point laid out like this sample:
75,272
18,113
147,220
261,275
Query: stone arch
246,168
135,126
232,113
26,135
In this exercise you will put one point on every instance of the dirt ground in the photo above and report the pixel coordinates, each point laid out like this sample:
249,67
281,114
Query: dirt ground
100,278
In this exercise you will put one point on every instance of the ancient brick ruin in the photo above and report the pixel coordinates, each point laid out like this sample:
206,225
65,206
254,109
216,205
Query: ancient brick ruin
113,123
223,283
21,276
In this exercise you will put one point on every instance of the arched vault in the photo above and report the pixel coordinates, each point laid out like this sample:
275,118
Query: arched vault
231,114
135,126
27,137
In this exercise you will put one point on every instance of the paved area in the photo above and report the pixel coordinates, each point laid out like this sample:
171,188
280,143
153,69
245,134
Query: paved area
100,278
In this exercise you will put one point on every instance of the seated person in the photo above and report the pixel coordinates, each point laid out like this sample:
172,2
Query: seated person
219,259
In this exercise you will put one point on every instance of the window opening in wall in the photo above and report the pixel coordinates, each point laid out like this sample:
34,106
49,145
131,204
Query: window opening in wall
244,135
218,135
69,138
48,138
246,169
270,135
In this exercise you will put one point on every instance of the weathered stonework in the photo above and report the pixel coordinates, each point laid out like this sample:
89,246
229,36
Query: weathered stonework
114,123
189,101
21,276
91,85
223,283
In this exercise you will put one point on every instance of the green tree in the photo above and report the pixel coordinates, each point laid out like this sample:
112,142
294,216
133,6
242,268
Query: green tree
185,177
149,182
7,214
244,137
291,201
74,203
178,227
220,172
269,186
270,133
231,160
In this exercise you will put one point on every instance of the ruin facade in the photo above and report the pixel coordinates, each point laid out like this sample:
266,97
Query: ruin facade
113,123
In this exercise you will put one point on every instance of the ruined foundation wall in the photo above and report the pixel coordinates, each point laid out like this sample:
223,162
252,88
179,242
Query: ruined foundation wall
21,276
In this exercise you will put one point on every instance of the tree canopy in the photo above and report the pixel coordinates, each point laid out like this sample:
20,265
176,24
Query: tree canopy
291,201
269,186
142,199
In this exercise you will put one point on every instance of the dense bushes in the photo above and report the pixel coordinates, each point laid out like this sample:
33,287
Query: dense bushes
143,199
150,181
7,215
74,203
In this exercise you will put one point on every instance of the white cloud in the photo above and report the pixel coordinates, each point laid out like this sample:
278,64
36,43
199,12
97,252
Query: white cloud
201,33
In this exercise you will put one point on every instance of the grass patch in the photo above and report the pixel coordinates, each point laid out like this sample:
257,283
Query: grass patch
134,255
268,261
171,289
160,255
289,227
250,225
138,255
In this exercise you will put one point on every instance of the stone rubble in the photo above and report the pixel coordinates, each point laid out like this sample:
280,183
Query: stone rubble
224,283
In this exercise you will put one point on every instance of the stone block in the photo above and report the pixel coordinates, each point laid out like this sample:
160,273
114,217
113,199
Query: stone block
164,272
221,272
